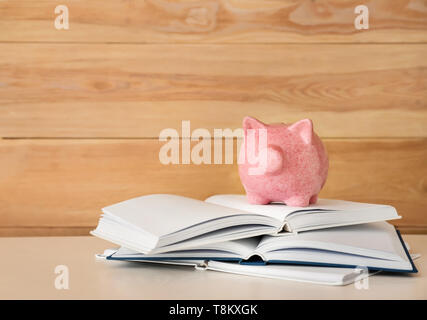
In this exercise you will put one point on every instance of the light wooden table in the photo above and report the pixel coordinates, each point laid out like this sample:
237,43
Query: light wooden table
27,272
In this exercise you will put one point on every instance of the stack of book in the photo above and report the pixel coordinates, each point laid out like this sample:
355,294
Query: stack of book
332,242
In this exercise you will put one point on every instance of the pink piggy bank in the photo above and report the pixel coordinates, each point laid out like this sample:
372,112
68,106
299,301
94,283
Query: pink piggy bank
282,163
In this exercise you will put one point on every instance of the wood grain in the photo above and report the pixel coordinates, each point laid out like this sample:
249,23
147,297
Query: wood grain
83,231
68,90
44,231
128,69
214,21
56,184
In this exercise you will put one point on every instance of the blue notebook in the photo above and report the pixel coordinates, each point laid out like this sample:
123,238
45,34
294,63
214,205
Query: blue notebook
376,246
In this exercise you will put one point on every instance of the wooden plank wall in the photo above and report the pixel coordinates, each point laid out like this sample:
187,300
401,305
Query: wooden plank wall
81,109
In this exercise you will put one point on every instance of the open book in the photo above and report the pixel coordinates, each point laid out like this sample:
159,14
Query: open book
318,275
163,222
376,246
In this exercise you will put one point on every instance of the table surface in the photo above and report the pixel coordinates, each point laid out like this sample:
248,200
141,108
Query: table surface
28,272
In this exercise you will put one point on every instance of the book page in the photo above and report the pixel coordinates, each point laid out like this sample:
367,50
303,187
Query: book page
163,214
277,210
320,275
281,211
377,239
227,249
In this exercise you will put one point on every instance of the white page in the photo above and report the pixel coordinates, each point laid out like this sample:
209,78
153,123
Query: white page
327,219
163,214
337,258
319,275
276,211
227,249
240,247
281,211
377,239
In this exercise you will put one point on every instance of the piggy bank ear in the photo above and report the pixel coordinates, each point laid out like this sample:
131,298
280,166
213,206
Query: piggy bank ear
304,128
252,123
